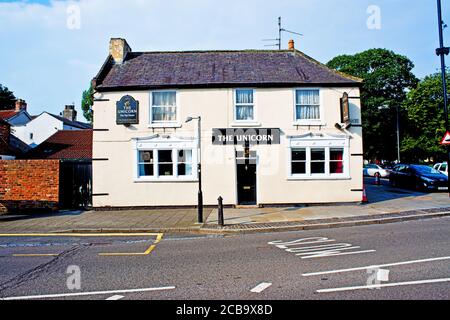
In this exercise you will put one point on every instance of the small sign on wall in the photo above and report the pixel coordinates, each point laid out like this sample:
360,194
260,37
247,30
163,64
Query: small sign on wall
345,109
127,111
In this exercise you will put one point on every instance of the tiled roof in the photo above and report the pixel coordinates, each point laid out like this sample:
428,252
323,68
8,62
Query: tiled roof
218,68
65,145
7,114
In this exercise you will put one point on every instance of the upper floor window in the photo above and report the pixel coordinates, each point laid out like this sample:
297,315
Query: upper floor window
164,106
244,107
307,104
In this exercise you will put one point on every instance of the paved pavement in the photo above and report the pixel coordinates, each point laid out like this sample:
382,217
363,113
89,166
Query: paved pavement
383,200
414,258
175,219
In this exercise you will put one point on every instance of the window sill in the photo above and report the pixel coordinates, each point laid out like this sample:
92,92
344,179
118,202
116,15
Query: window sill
246,124
309,178
165,125
317,123
162,180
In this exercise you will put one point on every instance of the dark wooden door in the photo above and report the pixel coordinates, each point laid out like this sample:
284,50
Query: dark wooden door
75,187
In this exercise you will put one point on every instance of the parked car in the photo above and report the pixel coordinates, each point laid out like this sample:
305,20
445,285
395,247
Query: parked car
417,177
372,170
442,167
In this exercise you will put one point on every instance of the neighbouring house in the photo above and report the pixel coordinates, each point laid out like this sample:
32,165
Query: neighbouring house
277,128
18,116
43,126
73,148
10,146
6,153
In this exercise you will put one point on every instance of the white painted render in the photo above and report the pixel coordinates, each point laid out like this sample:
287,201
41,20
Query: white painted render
39,129
115,183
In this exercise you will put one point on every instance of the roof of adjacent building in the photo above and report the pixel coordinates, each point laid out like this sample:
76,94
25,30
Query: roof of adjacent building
218,69
8,114
65,145
76,124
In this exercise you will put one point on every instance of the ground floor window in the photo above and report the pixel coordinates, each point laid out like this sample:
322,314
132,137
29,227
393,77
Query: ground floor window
321,156
317,161
172,163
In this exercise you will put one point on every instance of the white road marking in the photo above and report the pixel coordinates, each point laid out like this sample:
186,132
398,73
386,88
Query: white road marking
117,297
319,247
261,287
375,266
80,294
379,286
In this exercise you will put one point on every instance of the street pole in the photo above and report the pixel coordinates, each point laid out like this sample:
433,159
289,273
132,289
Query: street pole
398,134
442,52
200,191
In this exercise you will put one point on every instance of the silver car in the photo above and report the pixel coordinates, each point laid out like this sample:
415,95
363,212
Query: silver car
372,170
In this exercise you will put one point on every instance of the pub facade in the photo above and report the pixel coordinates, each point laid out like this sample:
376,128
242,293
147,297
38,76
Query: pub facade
276,128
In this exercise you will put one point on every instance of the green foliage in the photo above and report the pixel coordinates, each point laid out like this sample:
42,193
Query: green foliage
87,102
7,98
387,77
425,120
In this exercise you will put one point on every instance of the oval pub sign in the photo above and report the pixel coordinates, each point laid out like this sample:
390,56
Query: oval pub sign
127,110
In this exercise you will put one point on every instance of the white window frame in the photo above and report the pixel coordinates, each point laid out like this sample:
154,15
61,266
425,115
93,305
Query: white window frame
309,122
237,122
165,124
326,143
157,144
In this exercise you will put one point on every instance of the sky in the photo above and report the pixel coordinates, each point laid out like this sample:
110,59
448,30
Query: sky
51,49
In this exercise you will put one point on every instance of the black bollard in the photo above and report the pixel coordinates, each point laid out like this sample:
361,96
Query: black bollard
220,212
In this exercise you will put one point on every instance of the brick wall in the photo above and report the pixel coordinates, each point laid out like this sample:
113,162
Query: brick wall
28,185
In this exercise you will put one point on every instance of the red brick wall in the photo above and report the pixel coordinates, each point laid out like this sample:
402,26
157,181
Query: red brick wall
4,138
27,185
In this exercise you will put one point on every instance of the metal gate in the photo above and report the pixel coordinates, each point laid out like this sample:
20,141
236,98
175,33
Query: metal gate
75,185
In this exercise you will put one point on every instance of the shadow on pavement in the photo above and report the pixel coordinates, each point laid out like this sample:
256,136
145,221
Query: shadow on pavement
40,215
386,192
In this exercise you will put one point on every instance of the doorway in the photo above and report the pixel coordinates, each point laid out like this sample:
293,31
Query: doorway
246,184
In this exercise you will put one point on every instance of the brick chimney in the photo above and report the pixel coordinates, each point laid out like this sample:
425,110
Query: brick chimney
118,49
20,105
70,113
291,45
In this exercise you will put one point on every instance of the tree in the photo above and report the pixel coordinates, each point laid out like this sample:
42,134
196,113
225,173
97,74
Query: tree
387,77
87,102
426,121
7,98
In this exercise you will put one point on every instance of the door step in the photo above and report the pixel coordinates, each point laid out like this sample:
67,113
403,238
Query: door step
247,207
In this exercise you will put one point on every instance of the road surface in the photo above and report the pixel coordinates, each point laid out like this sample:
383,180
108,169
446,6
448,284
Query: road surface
408,260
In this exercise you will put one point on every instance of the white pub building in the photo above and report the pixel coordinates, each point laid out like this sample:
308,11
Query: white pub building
277,128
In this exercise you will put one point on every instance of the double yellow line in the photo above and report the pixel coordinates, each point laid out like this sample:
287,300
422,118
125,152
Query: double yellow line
158,236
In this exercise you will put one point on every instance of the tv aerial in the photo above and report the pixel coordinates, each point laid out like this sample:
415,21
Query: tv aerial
280,35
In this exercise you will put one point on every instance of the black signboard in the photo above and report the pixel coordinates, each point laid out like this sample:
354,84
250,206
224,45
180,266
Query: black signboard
127,111
345,109
246,136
